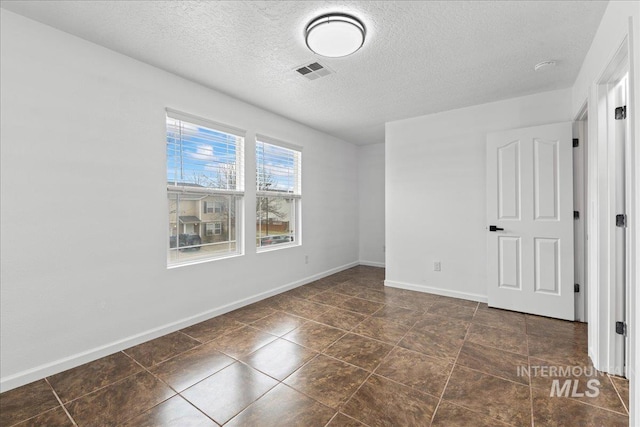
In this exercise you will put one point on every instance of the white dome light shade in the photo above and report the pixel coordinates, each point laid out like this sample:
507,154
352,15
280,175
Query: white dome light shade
335,35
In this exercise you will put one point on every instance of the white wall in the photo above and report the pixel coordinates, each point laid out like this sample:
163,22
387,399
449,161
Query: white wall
620,21
435,191
83,204
371,201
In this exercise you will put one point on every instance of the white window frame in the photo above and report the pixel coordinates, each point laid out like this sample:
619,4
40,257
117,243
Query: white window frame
237,194
295,195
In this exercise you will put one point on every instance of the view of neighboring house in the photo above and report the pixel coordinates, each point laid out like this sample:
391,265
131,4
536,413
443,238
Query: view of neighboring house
206,216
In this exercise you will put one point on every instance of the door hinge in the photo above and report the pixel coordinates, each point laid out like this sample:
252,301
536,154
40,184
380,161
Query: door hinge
621,220
621,113
576,215
621,328
576,142
576,287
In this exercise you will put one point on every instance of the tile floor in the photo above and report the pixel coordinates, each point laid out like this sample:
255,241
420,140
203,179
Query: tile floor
342,351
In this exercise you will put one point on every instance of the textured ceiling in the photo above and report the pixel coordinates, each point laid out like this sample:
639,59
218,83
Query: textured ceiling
418,58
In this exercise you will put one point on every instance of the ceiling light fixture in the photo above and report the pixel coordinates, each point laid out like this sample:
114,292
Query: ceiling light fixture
335,35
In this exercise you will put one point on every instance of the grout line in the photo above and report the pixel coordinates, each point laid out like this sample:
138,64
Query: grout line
177,393
64,408
376,368
108,385
526,340
455,362
618,393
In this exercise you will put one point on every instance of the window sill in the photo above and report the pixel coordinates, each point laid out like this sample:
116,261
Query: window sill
202,261
272,248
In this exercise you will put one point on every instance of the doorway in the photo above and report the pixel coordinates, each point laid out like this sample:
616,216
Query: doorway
612,195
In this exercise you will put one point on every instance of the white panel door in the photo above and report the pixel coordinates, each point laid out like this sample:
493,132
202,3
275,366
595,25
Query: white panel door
530,210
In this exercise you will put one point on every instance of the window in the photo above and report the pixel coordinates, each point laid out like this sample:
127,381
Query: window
204,189
213,207
278,180
213,228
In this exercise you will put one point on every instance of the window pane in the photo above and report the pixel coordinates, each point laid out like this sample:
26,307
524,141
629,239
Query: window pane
278,168
202,157
197,232
275,221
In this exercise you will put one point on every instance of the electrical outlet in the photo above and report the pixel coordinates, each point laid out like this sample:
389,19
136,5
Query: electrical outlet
306,259
437,266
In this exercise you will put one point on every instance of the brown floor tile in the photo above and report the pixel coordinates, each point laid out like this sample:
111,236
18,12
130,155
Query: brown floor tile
314,335
283,406
305,292
355,320
436,344
250,313
431,323
226,393
545,326
381,329
303,308
279,358
501,319
278,323
343,319
495,362
503,339
360,351
424,373
155,351
375,295
242,341
412,302
327,380
120,401
322,284
558,350
91,376
622,386
53,418
401,315
450,415
330,298
361,305
380,402
175,412
562,412
492,396
191,366
457,301
26,402
436,336
341,420
453,311
545,374
212,328
348,288
368,281
276,302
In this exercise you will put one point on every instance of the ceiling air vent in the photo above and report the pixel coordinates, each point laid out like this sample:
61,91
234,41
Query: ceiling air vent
313,71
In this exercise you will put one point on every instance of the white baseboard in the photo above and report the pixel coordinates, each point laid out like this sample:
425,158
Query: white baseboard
60,365
437,291
372,263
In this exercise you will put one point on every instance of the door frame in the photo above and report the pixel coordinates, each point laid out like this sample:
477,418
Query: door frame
580,204
601,220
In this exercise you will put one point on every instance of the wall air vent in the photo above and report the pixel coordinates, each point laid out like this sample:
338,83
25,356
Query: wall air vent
313,71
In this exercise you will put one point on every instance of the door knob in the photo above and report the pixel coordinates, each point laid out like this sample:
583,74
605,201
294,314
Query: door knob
494,228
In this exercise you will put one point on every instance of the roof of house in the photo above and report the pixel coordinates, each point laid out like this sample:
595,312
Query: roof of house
189,219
